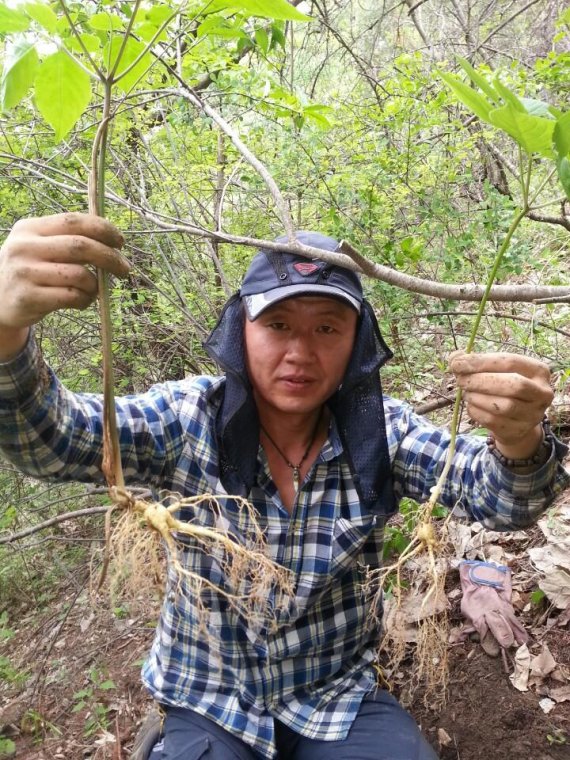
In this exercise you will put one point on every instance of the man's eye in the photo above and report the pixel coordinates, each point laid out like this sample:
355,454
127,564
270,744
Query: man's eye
277,325
327,329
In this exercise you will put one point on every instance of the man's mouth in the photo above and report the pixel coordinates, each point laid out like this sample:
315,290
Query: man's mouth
297,380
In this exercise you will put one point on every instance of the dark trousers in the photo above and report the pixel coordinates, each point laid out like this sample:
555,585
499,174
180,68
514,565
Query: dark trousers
383,730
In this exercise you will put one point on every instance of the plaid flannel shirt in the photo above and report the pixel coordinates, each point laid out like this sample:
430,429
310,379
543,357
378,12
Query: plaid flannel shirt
314,670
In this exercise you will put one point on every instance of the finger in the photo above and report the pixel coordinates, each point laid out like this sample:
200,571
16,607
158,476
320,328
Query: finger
43,301
499,362
54,275
454,356
507,408
75,249
504,428
508,385
73,223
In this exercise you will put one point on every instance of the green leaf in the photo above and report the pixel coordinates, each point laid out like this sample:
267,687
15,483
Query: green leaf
12,21
20,66
90,41
262,40
478,79
147,30
132,50
7,747
8,518
508,96
63,91
561,135
532,133
468,96
63,26
158,14
278,9
277,36
318,114
43,14
537,596
216,26
106,22
537,107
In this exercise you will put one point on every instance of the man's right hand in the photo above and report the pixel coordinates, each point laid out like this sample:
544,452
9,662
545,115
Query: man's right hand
43,268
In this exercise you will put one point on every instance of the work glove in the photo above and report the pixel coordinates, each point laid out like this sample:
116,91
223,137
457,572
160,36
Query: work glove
486,605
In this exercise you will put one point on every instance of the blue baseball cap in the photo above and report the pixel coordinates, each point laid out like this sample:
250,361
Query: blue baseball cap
273,277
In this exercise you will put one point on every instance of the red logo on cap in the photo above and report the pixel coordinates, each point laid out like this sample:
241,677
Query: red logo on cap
306,268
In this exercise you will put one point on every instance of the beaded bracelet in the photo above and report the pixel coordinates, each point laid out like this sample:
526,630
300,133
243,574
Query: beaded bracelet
541,456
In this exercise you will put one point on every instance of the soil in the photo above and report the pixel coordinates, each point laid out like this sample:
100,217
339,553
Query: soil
486,717
75,693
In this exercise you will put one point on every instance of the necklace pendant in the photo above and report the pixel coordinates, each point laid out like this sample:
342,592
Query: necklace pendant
296,478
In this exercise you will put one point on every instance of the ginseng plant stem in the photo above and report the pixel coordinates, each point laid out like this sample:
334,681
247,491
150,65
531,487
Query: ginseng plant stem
112,467
517,219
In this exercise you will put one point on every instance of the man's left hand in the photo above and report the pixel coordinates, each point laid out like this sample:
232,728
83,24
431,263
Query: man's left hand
507,394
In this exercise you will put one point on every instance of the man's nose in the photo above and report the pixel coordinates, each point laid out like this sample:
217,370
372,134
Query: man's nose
300,348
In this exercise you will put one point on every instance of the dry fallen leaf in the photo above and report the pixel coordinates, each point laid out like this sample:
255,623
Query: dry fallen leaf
560,693
519,678
553,559
541,666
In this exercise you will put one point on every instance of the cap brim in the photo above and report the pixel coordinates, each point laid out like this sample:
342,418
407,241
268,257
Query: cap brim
257,303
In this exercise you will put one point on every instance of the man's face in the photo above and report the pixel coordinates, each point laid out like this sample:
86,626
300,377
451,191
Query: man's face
297,352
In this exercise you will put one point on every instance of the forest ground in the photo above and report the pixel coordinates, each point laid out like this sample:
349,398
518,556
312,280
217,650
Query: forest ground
74,690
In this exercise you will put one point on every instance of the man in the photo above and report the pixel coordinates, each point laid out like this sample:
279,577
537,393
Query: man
298,424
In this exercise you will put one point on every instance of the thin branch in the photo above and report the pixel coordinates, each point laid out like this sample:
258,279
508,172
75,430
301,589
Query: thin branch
347,257
560,220
465,292
494,314
552,299
417,22
505,23
415,6
187,93
432,406
10,538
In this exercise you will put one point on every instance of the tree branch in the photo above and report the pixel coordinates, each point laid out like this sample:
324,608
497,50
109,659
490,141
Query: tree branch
465,292
187,93
505,23
346,256
412,8
10,538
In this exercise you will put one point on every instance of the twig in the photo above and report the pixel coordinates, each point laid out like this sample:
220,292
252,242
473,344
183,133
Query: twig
432,406
465,292
187,93
52,521
431,288
495,314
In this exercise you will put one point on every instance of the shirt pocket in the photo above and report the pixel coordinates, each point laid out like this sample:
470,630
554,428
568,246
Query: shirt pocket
348,541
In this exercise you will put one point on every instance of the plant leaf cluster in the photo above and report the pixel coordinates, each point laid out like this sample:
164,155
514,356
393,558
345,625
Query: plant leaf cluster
536,126
111,45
